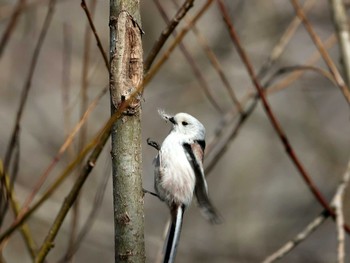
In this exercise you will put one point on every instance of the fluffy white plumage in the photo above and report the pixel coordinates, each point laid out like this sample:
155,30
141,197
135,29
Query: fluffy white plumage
175,178
179,173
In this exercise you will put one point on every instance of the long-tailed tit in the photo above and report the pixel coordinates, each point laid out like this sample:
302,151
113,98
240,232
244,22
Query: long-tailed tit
179,173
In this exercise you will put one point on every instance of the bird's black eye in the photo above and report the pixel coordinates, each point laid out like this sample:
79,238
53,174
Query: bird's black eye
184,123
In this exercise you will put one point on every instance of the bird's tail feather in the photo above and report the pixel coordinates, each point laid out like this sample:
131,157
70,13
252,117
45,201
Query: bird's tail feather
174,234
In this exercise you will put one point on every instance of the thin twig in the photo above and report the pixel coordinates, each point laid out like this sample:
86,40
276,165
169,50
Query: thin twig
276,125
166,33
83,107
99,43
11,25
150,74
318,43
331,40
290,245
25,231
310,228
302,68
196,71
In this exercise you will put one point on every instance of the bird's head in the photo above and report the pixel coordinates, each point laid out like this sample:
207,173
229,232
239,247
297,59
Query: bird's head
186,125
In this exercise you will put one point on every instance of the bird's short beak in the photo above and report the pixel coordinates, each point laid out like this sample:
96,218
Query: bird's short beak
167,117
172,120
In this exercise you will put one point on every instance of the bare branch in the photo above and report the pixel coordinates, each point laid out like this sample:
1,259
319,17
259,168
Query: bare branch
333,69
25,231
99,44
338,206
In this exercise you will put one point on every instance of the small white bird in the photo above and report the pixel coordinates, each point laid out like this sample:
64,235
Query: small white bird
179,173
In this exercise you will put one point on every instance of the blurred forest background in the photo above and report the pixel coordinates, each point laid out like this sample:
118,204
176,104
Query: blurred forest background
262,197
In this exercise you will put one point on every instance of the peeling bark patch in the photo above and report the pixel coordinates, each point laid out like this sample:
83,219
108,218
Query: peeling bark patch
126,63
124,218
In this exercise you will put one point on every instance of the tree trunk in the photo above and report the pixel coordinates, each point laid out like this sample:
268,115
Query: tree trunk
126,71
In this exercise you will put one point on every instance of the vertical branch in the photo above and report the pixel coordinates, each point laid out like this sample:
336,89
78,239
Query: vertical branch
126,74
338,206
342,27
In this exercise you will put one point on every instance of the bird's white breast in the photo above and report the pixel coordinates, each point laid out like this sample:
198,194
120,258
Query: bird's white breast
176,178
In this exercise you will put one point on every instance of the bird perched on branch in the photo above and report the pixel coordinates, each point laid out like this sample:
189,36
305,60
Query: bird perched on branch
179,173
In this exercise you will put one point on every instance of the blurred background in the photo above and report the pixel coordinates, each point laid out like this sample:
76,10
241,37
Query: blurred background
260,194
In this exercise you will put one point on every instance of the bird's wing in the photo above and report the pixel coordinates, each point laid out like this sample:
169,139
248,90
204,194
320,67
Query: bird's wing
195,153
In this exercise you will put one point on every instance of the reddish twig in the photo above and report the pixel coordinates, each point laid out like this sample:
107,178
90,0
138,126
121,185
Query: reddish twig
276,125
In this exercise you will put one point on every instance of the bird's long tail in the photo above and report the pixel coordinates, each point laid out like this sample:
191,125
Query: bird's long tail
174,234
